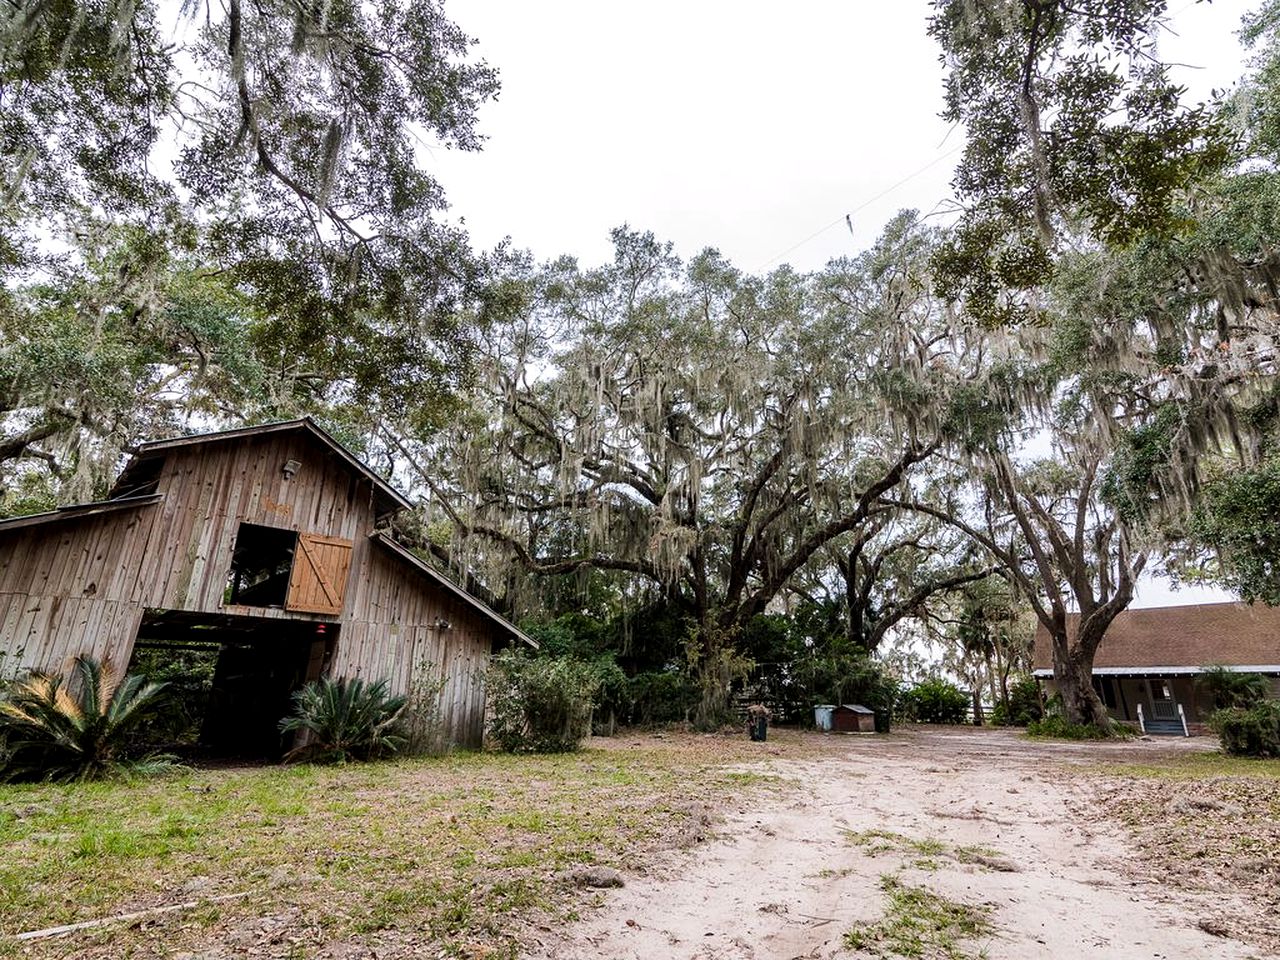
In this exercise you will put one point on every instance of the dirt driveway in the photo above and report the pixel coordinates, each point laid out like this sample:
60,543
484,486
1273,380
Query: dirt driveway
983,821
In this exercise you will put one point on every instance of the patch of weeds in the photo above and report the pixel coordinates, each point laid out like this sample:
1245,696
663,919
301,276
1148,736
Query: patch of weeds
204,916
1059,728
1197,766
928,847
927,852
875,842
983,857
829,874
921,923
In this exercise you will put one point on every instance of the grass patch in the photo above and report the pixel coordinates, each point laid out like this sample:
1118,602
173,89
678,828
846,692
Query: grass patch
920,923
441,853
1197,766
926,853
1058,728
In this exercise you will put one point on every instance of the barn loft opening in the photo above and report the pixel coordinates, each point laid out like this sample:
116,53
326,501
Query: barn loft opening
140,478
261,565
231,679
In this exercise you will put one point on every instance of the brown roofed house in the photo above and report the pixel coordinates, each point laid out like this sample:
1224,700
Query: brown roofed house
264,546
1146,667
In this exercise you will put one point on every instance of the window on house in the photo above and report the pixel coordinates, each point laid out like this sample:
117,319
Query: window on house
261,564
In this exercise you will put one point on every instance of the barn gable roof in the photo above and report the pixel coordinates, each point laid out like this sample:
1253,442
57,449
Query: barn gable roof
1175,640
389,499
431,573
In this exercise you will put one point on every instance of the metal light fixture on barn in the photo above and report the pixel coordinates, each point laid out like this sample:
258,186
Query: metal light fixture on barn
443,624
290,468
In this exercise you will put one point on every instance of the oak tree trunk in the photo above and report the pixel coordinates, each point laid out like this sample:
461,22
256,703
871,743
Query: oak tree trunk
1073,675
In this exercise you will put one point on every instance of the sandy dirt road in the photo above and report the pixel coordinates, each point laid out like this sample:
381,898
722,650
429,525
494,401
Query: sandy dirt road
983,818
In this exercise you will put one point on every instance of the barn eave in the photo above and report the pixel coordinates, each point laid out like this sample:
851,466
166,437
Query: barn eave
81,511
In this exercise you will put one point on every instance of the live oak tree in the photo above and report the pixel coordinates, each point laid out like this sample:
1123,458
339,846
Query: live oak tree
108,350
1063,549
1138,231
990,635
897,566
704,431
1095,200
1073,122
268,153
1071,533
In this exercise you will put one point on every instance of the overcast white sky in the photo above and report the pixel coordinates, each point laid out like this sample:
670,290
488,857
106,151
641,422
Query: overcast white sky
750,126
745,125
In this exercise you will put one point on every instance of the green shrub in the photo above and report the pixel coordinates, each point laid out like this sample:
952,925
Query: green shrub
660,697
540,704
1056,727
1025,705
1226,688
1249,731
609,703
344,720
935,701
76,727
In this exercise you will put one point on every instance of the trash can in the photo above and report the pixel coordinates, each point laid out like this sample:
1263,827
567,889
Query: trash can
758,721
822,715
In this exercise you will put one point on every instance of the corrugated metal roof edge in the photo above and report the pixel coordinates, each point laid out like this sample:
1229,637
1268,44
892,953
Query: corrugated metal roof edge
423,567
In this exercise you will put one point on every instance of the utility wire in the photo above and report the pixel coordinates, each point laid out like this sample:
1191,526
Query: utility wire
848,217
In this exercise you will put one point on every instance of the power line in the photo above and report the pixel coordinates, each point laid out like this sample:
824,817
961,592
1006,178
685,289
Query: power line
847,217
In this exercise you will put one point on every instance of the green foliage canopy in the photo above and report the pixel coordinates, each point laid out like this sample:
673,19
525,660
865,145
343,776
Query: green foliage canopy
237,220
1072,119
540,704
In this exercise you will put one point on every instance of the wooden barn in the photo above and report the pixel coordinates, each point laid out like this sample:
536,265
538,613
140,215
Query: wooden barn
263,544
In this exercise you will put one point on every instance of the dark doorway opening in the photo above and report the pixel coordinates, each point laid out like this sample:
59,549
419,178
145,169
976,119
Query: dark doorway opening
261,564
231,679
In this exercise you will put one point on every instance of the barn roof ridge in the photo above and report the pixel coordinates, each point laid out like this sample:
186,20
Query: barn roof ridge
397,499
408,556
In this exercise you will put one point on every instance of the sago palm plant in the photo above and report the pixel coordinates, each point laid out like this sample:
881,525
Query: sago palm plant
341,720
73,727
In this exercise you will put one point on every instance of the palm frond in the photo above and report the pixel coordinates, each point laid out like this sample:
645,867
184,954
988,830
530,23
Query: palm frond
345,719
73,727
108,681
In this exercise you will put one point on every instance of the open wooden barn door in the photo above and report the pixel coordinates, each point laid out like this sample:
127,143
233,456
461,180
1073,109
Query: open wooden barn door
318,583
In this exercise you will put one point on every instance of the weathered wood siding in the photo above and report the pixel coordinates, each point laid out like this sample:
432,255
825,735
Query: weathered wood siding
389,630
74,586
65,588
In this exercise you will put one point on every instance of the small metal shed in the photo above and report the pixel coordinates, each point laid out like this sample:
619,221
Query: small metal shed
853,718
